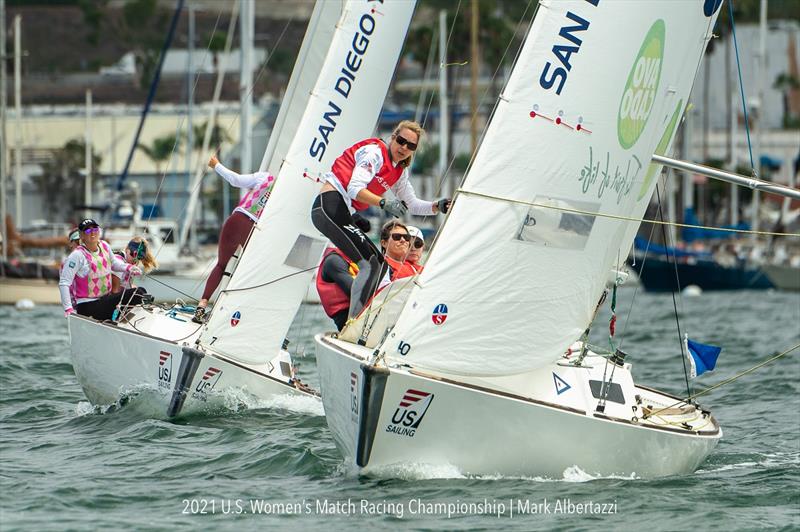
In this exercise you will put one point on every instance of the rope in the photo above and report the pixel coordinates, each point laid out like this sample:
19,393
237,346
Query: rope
624,218
231,290
727,381
152,278
671,258
741,86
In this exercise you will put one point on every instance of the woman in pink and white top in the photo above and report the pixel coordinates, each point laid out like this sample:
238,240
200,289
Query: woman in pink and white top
86,277
237,227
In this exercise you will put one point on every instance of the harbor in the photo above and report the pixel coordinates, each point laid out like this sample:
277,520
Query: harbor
419,264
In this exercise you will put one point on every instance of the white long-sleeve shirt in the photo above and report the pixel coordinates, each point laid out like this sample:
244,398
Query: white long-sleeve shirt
368,161
76,264
244,181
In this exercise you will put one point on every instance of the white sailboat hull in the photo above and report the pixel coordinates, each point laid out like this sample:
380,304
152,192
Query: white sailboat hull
115,361
431,420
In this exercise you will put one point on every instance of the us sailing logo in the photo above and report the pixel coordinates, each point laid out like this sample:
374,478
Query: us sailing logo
235,317
207,383
409,413
354,397
165,370
439,314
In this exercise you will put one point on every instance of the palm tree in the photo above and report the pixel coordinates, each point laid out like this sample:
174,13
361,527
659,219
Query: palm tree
161,149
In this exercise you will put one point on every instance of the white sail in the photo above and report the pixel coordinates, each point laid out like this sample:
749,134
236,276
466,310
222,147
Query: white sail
310,58
253,314
524,256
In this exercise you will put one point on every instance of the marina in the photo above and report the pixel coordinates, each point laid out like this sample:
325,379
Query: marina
530,265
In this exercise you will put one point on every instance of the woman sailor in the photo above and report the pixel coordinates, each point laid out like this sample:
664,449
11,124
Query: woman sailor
87,271
138,253
358,179
237,227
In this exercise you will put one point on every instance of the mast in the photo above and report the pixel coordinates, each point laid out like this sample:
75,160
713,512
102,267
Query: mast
444,115
18,113
245,84
87,192
762,72
473,84
3,142
194,186
190,106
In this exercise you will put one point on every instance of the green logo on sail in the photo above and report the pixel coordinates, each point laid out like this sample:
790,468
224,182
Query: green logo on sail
640,91
661,149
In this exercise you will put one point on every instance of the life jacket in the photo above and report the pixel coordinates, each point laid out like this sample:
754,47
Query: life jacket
98,282
253,202
331,295
386,176
402,269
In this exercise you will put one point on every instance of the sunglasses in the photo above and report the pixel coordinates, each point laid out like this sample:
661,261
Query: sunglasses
397,237
412,146
136,250
418,243
91,231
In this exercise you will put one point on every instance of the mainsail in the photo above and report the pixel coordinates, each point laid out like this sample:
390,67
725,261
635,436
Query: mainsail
553,194
253,314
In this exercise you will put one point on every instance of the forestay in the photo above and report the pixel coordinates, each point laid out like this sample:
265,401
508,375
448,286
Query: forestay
310,59
525,254
253,314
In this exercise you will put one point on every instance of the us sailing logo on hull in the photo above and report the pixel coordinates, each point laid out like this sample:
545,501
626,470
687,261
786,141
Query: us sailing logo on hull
354,388
165,370
409,413
207,383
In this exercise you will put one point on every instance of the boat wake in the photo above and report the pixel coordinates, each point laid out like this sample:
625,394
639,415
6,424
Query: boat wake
412,471
299,404
424,471
757,462
150,402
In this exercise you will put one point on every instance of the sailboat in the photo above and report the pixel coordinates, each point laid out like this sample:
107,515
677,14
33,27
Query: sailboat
481,362
344,66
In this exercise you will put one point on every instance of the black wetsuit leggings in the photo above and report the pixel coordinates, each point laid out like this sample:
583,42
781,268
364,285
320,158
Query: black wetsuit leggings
103,308
331,216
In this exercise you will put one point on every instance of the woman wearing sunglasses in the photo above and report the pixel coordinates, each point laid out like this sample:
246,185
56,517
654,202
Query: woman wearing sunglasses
358,179
137,253
87,271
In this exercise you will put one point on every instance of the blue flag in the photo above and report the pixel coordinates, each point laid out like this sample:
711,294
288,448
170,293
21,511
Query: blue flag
701,357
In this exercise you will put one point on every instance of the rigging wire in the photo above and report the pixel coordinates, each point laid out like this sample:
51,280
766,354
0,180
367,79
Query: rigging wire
474,117
671,258
741,87
233,121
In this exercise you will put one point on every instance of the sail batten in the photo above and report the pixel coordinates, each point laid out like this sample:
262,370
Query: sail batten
277,265
557,188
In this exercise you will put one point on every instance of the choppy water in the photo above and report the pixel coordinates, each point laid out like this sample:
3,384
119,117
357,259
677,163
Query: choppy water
67,465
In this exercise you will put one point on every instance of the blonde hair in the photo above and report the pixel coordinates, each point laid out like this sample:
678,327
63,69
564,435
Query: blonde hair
412,126
148,261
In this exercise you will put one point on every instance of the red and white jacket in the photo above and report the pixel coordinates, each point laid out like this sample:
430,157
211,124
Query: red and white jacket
367,164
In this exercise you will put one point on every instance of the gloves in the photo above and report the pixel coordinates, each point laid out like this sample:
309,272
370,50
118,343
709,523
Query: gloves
394,207
135,271
444,205
69,311
361,222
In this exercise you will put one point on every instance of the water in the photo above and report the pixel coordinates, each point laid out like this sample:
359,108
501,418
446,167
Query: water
68,465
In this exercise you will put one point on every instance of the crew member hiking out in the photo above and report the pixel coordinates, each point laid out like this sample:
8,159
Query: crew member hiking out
358,179
236,229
